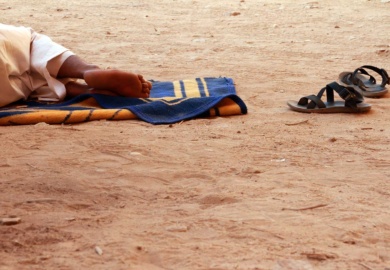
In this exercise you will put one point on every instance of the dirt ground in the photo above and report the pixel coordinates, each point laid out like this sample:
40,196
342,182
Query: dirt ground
273,189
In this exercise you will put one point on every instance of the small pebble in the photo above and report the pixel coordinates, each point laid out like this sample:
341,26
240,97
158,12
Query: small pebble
177,228
10,221
99,251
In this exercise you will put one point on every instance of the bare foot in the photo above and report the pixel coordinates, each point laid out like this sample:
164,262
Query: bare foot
121,83
74,89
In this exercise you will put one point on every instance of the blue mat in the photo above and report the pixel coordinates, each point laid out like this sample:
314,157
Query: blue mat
170,102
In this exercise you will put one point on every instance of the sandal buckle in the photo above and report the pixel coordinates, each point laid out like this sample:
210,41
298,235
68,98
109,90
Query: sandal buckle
350,96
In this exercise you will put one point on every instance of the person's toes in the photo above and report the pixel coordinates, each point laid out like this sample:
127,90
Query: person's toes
141,78
145,88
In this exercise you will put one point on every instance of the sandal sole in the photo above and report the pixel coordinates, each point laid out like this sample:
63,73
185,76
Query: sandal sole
334,107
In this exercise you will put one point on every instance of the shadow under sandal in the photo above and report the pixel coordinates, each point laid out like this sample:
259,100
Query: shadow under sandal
365,83
352,101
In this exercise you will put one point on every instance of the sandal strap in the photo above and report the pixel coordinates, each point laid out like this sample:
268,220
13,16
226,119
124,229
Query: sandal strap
357,81
314,101
349,94
380,71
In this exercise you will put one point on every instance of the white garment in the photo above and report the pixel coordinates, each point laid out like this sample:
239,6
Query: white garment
29,63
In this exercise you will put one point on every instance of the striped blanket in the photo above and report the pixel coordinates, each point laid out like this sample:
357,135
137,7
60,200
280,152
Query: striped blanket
170,102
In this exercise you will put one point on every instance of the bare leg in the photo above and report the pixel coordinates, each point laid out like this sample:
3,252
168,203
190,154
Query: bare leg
74,67
113,82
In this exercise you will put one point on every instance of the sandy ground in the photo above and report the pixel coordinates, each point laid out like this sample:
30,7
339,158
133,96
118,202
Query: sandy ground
273,189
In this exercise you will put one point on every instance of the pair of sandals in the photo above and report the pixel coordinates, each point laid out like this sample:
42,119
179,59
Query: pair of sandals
352,88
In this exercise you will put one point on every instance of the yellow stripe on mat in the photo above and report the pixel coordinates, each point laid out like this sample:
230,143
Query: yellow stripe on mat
206,89
191,88
177,89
